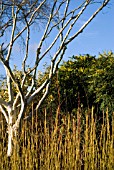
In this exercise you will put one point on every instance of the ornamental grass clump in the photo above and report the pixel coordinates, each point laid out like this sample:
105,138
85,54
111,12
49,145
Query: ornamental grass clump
72,143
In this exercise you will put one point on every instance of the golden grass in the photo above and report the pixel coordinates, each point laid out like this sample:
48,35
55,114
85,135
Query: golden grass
72,145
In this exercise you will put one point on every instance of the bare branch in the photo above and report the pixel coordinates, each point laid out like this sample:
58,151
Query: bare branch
45,33
10,74
75,18
31,20
4,113
37,91
12,35
87,23
9,84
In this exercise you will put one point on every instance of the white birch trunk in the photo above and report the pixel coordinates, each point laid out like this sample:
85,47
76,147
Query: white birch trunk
10,141
10,135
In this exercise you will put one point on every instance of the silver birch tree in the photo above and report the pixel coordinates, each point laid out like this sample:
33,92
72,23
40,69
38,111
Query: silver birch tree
59,17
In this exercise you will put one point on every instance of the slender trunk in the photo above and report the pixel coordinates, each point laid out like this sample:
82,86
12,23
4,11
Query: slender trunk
14,127
10,140
10,133
12,136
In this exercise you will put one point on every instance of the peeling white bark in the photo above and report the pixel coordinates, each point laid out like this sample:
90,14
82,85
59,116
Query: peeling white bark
10,140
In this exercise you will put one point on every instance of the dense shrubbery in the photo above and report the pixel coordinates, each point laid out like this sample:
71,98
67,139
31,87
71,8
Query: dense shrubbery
85,81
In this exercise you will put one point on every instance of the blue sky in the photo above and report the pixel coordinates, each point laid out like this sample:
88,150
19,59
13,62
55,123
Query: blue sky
96,38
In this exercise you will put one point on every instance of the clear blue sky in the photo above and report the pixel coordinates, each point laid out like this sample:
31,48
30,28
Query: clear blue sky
96,38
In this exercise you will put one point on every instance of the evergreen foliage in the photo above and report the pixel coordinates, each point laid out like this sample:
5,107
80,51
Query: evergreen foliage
86,81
